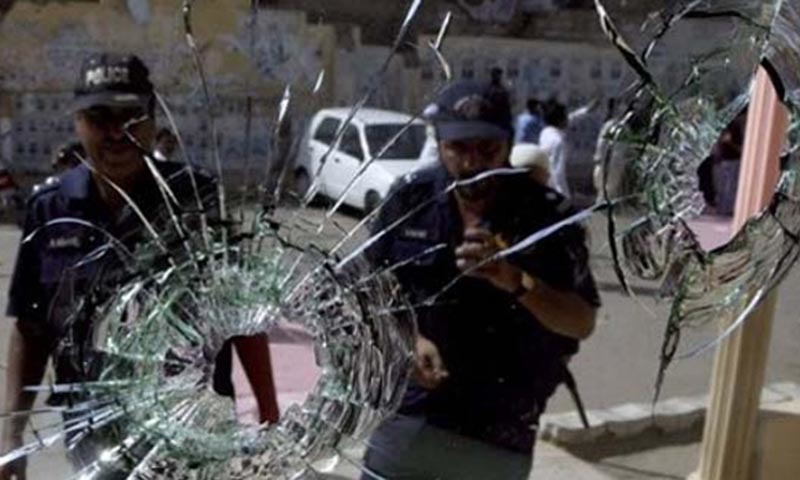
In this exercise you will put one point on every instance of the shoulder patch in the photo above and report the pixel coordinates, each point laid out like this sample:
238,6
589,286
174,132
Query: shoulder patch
49,184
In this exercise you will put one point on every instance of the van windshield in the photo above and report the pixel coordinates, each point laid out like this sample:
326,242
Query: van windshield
407,147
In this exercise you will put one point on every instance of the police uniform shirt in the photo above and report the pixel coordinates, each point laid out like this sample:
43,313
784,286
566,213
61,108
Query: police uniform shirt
503,363
64,271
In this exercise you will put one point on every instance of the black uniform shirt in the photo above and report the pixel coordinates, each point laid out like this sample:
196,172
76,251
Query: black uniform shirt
503,363
66,269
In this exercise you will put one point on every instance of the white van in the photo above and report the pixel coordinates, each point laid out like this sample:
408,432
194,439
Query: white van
363,139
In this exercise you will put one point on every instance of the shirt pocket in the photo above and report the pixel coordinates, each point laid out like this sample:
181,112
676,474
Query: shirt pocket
64,282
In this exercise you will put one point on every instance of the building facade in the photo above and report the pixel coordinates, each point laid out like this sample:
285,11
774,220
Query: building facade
251,55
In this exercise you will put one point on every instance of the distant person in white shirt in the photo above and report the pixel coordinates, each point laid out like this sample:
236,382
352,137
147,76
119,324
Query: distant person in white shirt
552,141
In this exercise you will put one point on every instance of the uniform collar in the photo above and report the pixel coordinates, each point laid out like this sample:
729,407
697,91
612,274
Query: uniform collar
441,181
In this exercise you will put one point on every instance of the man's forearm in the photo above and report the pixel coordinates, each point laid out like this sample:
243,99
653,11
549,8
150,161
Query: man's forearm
257,363
565,313
27,359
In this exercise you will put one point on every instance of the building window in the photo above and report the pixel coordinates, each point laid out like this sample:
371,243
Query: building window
616,71
555,68
596,71
513,69
468,69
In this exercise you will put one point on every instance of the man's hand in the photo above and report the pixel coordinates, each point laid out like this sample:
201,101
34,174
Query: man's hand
479,245
429,370
16,469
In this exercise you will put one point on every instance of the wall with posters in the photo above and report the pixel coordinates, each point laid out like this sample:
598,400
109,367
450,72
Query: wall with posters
251,59
42,46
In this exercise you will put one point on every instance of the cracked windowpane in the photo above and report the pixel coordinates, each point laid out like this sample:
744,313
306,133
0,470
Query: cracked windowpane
307,238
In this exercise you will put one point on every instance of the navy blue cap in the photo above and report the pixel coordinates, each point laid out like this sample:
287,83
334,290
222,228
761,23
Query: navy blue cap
114,80
468,109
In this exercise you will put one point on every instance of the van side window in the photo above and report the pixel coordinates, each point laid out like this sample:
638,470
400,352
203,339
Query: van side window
351,143
326,131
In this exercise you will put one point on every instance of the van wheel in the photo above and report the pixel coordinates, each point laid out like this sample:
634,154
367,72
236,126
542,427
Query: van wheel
302,183
371,201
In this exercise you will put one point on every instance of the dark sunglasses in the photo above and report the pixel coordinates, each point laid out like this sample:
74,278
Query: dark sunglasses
103,116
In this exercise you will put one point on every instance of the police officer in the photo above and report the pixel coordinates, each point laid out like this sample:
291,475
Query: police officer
114,120
493,335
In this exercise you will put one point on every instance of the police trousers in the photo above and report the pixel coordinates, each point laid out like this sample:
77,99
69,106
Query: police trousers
409,448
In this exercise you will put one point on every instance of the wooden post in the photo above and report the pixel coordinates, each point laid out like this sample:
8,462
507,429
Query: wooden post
740,362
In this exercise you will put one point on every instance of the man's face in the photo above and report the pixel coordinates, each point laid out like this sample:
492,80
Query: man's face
465,159
102,131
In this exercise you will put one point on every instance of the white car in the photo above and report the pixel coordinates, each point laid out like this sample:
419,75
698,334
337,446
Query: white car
362,140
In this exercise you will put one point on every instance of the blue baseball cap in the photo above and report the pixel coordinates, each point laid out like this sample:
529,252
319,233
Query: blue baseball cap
114,80
468,109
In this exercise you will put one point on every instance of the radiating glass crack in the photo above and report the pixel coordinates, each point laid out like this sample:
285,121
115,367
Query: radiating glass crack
154,305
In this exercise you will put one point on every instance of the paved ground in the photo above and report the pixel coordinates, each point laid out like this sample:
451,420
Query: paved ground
617,365
653,456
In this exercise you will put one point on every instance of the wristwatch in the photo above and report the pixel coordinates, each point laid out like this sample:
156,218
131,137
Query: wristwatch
526,284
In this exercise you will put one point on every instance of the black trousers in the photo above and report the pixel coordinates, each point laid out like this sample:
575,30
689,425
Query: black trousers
409,448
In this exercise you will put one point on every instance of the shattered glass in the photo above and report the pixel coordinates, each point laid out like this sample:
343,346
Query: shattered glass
684,115
223,260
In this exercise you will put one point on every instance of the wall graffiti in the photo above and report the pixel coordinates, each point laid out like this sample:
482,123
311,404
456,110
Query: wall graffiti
285,48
